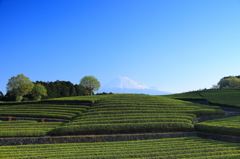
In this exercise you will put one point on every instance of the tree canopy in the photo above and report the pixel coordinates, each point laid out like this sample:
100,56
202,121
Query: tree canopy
1,96
38,91
19,86
90,84
231,82
59,89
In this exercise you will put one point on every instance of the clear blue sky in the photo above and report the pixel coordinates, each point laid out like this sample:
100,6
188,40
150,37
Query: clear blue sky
175,45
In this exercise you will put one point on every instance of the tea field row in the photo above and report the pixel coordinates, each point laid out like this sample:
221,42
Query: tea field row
26,128
228,98
225,126
126,113
43,110
174,148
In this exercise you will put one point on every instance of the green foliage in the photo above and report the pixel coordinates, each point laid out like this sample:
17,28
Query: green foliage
231,82
77,99
38,91
43,110
90,83
26,128
126,113
1,96
9,96
113,128
169,148
20,86
225,126
187,95
60,89
229,98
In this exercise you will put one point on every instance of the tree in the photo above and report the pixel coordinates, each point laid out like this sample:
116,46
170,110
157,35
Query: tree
231,82
38,91
1,95
9,96
80,90
215,86
20,86
90,83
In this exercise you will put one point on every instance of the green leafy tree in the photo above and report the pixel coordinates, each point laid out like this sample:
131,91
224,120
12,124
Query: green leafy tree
231,82
1,95
90,84
215,86
9,96
80,91
38,91
20,86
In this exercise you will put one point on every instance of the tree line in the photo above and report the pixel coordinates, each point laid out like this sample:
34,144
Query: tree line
229,82
21,88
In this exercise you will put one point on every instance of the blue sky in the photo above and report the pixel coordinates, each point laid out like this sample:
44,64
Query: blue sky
175,45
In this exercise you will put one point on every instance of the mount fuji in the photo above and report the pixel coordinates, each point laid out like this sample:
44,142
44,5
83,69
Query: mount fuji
126,85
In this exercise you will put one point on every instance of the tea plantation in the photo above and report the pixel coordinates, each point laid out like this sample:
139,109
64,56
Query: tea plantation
172,148
137,113
115,114
26,128
225,126
229,98
43,110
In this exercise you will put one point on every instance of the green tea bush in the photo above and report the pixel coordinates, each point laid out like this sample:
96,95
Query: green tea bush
187,95
26,128
125,113
43,110
229,98
225,126
169,148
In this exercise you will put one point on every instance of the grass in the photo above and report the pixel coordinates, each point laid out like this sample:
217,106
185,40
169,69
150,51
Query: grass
172,148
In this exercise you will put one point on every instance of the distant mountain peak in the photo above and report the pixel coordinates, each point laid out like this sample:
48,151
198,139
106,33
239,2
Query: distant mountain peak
123,84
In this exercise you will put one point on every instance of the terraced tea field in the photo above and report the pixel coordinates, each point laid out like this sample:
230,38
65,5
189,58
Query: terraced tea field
186,96
225,126
77,99
26,128
120,113
43,110
224,97
174,148
125,113
230,98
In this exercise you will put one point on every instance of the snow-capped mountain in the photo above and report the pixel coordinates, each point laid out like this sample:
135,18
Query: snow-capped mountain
126,85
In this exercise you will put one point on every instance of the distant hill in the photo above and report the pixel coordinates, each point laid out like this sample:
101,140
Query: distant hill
126,85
